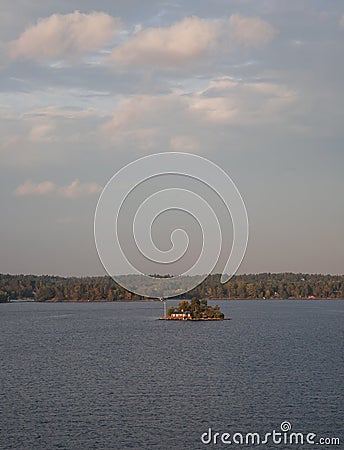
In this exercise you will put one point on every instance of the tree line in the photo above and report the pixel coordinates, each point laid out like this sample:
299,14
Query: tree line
254,286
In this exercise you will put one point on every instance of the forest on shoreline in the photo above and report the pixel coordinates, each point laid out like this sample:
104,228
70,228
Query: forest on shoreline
43,288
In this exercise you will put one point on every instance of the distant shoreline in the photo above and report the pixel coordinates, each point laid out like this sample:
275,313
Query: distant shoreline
269,286
170,300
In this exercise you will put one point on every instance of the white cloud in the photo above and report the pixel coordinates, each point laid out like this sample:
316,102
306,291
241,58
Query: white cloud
73,190
65,36
191,39
250,31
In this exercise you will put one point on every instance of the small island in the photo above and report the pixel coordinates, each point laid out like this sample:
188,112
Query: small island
194,310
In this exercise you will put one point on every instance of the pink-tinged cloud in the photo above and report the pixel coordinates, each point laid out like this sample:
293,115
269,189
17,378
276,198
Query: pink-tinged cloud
31,189
250,31
191,39
224,101
65,36
76,189
180,43
341,22
73,190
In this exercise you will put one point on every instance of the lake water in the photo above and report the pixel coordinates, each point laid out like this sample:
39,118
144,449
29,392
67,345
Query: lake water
110,376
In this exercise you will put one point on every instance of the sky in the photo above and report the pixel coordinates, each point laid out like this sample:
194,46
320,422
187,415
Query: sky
87,87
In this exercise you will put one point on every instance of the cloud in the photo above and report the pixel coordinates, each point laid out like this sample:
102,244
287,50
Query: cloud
65,36
73,190
48,135
184,121
250,31
237,102
341,22
224,102
28,188
42,133
141,121
76,189
184,144
191,39
69,36
179,43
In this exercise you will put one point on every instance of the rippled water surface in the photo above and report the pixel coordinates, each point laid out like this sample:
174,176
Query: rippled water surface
110,376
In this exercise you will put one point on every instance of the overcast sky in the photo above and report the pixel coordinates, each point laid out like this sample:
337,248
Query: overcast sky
257,87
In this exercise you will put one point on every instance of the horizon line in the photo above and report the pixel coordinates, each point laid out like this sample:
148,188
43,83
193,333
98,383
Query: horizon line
131,274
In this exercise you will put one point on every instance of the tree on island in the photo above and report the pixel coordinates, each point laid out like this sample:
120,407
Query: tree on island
3,297
199,309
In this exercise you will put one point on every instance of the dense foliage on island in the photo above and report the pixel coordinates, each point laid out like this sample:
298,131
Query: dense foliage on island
198,309
259,286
